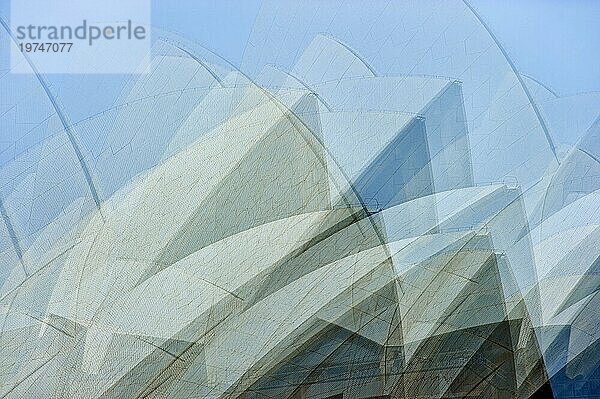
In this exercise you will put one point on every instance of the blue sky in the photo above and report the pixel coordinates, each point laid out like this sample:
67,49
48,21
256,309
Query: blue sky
555,41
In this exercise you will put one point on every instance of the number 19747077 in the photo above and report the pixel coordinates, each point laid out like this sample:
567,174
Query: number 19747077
45,47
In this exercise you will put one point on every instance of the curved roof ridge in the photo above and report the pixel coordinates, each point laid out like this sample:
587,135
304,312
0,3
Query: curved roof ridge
519,78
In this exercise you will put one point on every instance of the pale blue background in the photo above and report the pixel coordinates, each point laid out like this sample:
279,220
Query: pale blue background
555,41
